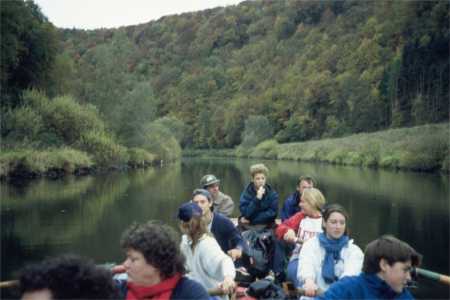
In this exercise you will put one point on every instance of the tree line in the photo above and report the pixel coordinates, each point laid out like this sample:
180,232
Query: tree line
223,77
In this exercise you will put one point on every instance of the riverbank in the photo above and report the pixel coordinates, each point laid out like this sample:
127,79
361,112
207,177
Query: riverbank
59,162
420,148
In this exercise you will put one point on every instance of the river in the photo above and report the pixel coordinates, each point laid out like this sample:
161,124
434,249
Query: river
86,215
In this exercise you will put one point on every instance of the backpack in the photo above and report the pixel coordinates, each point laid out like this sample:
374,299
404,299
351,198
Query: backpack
265,289
261,243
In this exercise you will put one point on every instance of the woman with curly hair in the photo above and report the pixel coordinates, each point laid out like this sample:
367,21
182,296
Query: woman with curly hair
155,265
205,261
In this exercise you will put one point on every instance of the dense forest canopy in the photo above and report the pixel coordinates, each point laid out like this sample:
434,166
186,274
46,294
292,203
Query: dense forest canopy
218,78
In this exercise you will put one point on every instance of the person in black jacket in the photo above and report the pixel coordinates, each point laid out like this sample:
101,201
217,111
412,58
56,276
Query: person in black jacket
223,230
259,201
290,206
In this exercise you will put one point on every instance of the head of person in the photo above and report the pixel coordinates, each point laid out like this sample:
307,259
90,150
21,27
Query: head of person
210,183
192,222
312,201
153,253
203,199
259,173
304,182
334,221
66,277
392,260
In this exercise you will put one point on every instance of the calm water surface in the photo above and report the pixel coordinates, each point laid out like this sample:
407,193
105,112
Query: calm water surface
87,215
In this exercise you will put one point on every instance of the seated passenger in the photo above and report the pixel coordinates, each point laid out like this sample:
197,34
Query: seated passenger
329,256
222,203
155,265
290,206
292,233
387,267
66,277
258,202
223,230
205,261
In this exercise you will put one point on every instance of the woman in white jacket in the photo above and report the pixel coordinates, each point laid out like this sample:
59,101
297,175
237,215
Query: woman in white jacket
330,255
205,260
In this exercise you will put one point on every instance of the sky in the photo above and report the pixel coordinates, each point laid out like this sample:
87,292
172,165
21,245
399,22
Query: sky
93,14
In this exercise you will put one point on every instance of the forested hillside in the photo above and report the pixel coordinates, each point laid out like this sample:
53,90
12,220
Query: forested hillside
294,70
284,71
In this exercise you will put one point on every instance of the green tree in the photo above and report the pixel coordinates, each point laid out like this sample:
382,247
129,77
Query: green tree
257,129
28,48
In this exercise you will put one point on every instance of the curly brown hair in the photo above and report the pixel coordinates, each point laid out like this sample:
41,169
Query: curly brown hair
159,245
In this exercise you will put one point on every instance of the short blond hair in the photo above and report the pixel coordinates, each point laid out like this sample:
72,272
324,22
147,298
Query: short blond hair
258,168
314,197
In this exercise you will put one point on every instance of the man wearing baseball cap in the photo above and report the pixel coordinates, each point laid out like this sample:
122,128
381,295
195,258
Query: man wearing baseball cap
222,203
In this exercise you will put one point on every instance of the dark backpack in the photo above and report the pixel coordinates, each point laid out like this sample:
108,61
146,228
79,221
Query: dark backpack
261,245
265,289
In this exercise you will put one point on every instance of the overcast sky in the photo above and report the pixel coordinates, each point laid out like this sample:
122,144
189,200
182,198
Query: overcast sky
92,14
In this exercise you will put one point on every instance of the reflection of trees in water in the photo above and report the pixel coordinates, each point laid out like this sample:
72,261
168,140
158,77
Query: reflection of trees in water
44,191
141,177
15,253
410,188
62,222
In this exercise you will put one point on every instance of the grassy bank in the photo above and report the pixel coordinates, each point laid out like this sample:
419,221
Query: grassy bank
420,148
58,162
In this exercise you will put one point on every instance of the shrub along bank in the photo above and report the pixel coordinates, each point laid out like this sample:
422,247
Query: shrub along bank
59,136
420,148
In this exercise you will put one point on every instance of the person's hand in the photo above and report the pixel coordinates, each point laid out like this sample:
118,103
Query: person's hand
310,287
228,285
244,220
289,236
117,269
260,192
235,253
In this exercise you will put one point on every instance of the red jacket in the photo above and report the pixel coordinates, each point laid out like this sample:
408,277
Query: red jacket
291,223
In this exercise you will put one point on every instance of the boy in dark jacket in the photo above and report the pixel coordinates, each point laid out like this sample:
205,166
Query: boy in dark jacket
258,202
387,267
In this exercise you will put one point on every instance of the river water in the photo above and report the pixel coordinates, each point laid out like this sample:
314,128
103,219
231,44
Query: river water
86,215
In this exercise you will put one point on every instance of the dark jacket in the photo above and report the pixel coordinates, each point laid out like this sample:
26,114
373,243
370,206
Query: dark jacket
185,289
257,211
290,206
226,234
363,286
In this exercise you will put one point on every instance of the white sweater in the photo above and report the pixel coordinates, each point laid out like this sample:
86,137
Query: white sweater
311,260
207,263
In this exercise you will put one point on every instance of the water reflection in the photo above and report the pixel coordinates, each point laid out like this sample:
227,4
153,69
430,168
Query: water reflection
87,215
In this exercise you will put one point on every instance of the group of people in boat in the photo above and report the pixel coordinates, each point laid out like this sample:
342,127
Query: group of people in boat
310,247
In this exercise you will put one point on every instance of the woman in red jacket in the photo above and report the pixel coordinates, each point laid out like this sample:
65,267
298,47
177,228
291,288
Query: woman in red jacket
293,232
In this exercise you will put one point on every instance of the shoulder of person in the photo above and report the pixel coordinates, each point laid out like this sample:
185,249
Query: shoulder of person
189,289
184,239
227,197
292,198
222,220
351,247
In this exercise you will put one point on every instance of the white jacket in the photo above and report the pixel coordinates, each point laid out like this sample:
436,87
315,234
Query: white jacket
311,260
207,263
